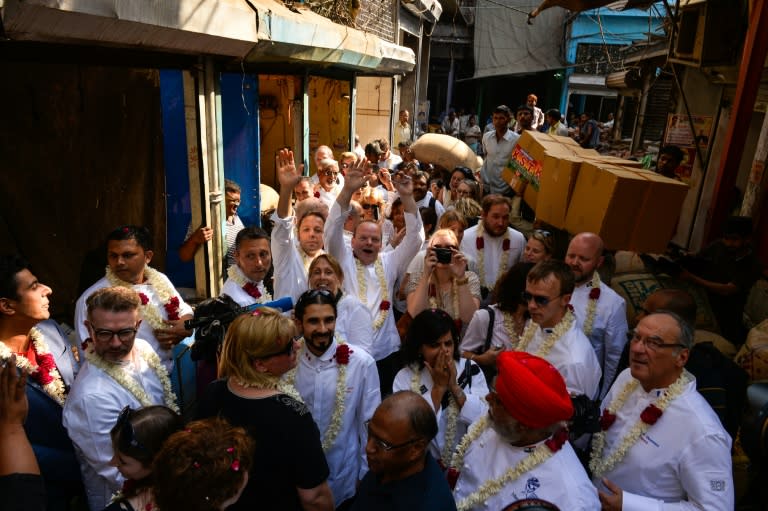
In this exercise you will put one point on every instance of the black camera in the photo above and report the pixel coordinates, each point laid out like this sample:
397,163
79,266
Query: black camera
586,416
444,255
375,169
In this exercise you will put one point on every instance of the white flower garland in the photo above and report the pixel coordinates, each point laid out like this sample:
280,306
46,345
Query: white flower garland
455,313
600,466
490,488
362,290
116,372
164,293
55,389
481,259
334,426
589,320
510,325
238,277
562,327
451,415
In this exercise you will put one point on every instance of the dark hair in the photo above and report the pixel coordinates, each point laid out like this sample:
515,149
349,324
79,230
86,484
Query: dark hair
739,226
524,107
426,328
132,232
428,217
309,213
679,301
231,187
313,297
503,109
10,266
373,148
510,286
554,113
673,151
561,271
250,233
384,145
493,199
468,174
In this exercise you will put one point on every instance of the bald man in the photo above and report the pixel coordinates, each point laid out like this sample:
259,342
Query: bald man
403,475
600,311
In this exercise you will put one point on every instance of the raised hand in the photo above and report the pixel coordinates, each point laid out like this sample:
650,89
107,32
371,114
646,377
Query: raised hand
287,172
357,175
403,184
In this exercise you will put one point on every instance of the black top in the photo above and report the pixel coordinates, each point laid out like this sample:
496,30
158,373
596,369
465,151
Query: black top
123,505
288,451
22,492
426,491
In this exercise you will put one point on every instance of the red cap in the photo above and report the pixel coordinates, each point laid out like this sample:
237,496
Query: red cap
532,390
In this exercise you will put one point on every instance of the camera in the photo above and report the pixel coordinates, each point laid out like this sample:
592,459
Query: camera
444,255
375,169
586,416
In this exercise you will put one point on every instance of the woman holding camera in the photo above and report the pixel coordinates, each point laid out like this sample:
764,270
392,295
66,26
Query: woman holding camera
445,282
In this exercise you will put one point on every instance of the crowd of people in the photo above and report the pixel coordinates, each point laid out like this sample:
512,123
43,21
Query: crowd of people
435,359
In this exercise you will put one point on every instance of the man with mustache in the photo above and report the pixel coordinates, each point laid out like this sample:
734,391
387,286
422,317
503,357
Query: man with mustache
340,386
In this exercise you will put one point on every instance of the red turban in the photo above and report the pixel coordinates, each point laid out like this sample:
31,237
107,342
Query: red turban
532,390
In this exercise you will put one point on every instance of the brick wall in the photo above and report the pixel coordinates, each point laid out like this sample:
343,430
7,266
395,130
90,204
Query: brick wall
377,17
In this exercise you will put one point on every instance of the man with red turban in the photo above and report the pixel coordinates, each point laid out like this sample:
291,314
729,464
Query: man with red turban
520,449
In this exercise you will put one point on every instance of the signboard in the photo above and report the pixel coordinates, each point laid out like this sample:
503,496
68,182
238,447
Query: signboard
679,133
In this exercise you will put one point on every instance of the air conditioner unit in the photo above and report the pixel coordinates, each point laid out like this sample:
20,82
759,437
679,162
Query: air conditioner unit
430,10
709,33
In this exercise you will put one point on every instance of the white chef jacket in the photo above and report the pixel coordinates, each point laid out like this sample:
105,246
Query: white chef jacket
316,379
424,203
238,294
145,329
561,479
474,407
609,329
290,271
477,331
386,340
683,462
493,252
354,323
90,412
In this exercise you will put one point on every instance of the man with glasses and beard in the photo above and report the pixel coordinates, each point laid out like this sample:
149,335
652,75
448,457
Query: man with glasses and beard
120,370
340,386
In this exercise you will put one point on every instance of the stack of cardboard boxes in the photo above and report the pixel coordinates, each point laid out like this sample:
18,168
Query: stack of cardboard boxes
580,190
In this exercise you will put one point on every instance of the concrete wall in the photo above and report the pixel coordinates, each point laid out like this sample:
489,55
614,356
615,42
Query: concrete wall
374,107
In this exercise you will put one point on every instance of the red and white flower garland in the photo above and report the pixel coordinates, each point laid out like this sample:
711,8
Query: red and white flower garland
251,288
594,296
45,372
165,293
480,245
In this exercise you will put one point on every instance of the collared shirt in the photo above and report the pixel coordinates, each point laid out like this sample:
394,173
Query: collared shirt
238,294
682,462
94,403
572,355
353,322
316,380
538,118
145,329
496,158
493,252
231,236
424,203
386,340
402,134
558,129
328,197
290,263
609,329
474,407
561,479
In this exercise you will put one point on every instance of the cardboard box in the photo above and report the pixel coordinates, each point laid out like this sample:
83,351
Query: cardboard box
567,141
556,185
526,163
657,219
605,201
615,160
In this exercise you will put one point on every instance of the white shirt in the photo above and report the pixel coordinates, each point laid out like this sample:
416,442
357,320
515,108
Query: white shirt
560,480
328,197
290,262
424,203
386,340
392,162
145,329
538,118
572,355
353,322
402,134
90,412
231,230
477,332
493,252
609,329
496,158
683,462
316,379
238,294
474,407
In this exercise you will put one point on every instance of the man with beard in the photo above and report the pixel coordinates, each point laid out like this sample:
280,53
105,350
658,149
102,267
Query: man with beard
129,252
328,186
120,371
600,311
403,474
520,448
524,118
340,386
492,243
423,196
253,259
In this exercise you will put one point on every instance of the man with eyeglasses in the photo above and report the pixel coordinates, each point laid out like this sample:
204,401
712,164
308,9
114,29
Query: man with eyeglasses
28,333
340,386
552,332
662,446
600,311
403,476
120,370
523,434
328,185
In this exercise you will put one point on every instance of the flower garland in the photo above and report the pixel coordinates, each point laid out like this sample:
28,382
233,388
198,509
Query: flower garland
510,325
165,293
451,411
433,295
594,296
648,418
342,360
250,287
480,245
116,372
362,291
45,372
488,489
562,327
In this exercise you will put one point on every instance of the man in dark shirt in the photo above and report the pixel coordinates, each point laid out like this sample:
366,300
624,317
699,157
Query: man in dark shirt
403,475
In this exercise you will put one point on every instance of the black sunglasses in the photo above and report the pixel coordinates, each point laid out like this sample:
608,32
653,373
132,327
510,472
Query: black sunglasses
128,436
542,233
370,206
540,300
287,350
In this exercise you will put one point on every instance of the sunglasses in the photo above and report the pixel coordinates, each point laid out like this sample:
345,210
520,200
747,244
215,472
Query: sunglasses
370,206
328,172
311,295
542,233
128,436
541,301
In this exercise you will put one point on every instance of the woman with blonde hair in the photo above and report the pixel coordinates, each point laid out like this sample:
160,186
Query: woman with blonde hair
539,247
259,348
469,208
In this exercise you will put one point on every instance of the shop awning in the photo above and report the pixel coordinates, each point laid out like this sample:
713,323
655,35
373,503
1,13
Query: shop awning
590,85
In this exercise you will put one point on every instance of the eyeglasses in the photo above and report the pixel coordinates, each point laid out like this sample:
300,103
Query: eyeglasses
328,172
383,444
653,342
287,350
104,335
542,233
369,206
541,301
128,436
